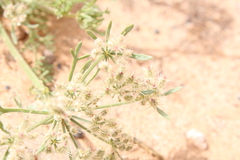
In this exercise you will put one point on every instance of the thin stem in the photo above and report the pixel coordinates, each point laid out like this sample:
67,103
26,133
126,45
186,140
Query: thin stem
72,69
70,154
64,129
93,77
45,8
118,154
84,120
9,110
91,68
75,60
49,131
6,154
84,128
116,104
18,57
140,143
39,123
72,137
148,149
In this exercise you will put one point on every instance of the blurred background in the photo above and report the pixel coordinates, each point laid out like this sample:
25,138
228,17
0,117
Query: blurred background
195,44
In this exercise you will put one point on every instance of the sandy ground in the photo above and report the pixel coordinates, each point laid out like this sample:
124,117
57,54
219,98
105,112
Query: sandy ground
194,44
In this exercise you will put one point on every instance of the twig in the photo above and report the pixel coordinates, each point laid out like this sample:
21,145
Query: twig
18,57
148,149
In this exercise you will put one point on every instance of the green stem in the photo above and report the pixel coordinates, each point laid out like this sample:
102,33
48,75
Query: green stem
42,147
18,57
51,10
84,128
93,77
118,154
72,137
75,60
148,149
39,123
84,56
116,104
91,68
81,119
45,8
9,110
64,129
72,69
6,154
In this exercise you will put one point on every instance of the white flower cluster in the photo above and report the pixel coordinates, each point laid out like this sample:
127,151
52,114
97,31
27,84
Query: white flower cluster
114,46
16,12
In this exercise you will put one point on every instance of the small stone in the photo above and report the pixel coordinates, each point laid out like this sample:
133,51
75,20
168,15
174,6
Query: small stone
49,56
156,31
59,66
197,140
7,87
79,134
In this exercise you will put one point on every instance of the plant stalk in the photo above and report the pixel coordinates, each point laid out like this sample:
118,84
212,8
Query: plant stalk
20,110
70,134
84,128
18,57
75,60
46,140
116,104
91,68
72,69
93,77
148,149
39,123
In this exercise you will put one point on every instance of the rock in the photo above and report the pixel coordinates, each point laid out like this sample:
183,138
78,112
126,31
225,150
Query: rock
196,140
49,56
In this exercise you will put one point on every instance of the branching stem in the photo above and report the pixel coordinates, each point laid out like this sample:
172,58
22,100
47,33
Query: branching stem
20,110
91,68
116,104
39,123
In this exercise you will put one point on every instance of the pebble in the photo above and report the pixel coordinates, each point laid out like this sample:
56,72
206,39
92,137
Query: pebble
49,56
196,139
80,134
59,66
156,31
7,87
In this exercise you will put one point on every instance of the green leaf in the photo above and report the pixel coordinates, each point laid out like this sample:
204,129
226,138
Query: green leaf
86,66
142,57
44,74
48,122
2,128
147,92
163,113
13,36
111,57
72,52
83,57
108,31
6,154
1,111
78,47
172,91
32,26
92,35
127,30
